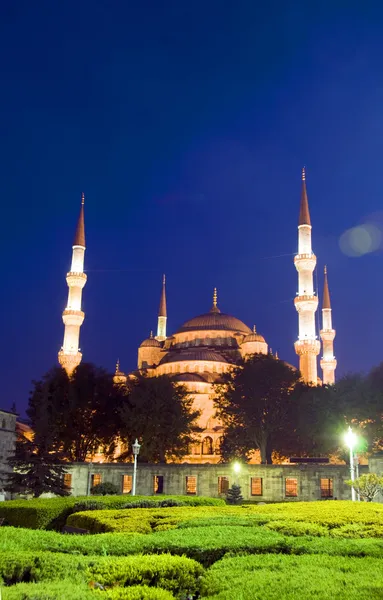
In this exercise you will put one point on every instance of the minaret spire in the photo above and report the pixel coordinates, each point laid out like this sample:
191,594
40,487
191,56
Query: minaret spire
69,356
215,308
327,333
306,302
162,314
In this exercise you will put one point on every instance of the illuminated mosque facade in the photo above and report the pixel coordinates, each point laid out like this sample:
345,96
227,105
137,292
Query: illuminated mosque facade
206,346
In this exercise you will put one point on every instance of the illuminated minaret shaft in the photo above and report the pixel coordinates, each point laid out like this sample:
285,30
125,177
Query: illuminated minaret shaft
327,333
73,317
162,314
306,302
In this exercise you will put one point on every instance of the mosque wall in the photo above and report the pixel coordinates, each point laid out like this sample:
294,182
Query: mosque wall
262,483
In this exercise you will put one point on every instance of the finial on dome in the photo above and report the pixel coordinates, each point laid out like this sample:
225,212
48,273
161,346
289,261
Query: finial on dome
304,174
163,279
215,297
83,198
151,335
325,269
276,355
254,329
118,366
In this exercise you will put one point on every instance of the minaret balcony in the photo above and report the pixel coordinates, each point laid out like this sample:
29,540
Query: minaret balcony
328,364
307,347
306,303
73,317
327,335
305,262
76,279
69,361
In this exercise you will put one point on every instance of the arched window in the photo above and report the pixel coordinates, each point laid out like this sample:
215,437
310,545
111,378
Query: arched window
218,445
196,449
207,445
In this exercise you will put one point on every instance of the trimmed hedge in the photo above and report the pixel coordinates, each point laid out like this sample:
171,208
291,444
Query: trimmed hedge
66,590
173,573
148,520
270,577
52,513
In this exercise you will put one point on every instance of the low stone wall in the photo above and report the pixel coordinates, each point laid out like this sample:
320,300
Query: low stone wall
263,483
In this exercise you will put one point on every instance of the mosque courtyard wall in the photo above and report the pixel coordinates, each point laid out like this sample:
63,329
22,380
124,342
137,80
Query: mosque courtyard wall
262,483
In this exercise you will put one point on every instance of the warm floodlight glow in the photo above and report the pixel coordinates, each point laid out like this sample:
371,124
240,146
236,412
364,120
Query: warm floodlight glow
350,438
236,467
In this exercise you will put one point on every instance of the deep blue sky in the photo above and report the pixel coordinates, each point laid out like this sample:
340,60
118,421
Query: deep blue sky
186,124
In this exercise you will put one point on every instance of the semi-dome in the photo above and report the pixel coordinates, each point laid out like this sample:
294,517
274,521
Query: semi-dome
150,342
192,355
216,321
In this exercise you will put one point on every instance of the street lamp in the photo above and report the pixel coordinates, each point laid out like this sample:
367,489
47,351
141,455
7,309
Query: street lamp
136,450
350,439
237,469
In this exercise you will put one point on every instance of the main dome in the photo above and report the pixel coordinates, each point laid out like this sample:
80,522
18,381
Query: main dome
215,320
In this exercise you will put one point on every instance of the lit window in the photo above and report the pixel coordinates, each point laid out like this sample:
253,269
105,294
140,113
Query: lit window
67,481
191,485
96,479
256,486
207,445
127,482
291,487
326,488
158,484
223,485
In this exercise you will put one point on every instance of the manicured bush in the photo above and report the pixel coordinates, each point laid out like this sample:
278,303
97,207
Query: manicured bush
51,513
66,590
174,573
298,528
105,489
270,577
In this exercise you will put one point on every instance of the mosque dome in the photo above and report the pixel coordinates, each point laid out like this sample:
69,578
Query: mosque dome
254,337
150,342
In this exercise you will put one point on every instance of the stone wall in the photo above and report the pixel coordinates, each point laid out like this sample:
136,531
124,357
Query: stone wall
7,441
263,483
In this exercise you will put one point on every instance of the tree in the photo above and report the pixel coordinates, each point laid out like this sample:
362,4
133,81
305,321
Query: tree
36,470
82,411
367,486
255,403
159,412
234,495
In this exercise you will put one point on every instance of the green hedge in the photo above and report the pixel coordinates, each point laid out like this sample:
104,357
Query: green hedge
271,577
148,520
173,573
66,590
52,513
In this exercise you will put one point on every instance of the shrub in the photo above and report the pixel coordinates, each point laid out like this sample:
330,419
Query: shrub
105,489
281,577
298,528
234,495
66,590
174,573
43,513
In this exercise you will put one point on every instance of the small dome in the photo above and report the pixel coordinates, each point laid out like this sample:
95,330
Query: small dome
150,342
254,337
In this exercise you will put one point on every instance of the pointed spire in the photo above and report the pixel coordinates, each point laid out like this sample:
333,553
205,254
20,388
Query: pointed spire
79,238
326,292
215,308
162,310
304,213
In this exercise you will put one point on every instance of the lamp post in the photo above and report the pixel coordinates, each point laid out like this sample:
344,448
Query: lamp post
350,439
136,450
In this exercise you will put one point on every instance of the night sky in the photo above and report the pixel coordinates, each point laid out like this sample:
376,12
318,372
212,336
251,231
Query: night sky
186,124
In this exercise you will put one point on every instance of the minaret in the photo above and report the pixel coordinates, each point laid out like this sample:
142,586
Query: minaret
306,302
73,317
327,333
162,315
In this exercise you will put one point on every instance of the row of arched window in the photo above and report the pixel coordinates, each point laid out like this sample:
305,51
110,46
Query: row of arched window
192,368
